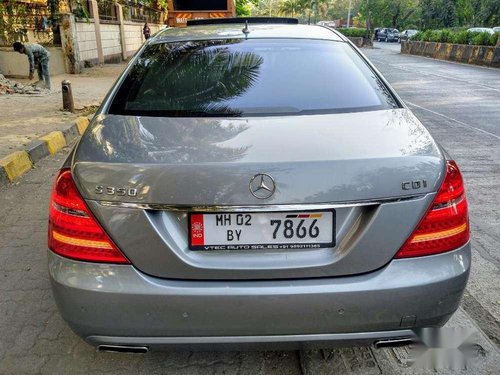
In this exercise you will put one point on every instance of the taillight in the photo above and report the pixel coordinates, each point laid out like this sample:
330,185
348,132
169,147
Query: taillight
445,226
73,230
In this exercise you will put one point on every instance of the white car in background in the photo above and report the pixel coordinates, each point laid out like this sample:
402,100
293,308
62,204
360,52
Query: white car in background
482,30
407,34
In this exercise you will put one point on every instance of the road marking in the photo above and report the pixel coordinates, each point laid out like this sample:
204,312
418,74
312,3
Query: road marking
454,120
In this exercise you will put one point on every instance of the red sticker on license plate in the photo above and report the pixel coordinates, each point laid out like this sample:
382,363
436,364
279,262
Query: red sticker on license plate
197,237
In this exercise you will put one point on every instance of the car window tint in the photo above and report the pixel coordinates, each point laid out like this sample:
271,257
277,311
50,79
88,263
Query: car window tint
249,78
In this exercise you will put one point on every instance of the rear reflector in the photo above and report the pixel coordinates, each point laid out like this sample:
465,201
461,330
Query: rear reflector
73,230
445,226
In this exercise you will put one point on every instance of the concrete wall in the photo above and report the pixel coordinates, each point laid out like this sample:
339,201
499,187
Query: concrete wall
44,37
478,55
13,64
360,41
87,45
133,37
111,42
83,40
155,28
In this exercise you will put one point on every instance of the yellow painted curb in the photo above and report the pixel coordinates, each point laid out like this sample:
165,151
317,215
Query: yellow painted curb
16,164
55,141
81,124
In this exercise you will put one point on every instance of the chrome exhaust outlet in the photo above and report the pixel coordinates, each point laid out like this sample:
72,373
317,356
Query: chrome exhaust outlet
123,349
390,343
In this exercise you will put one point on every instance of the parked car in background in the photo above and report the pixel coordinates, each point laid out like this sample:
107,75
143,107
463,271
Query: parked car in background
496,29
481,30
388,35
407,34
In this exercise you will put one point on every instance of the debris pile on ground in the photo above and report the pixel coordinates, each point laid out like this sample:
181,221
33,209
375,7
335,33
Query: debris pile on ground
9,87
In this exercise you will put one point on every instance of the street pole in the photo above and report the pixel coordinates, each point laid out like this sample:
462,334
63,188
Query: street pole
315,12
349,14
310,10
368,17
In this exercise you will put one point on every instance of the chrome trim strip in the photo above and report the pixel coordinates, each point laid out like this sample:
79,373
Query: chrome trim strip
267,207
197,340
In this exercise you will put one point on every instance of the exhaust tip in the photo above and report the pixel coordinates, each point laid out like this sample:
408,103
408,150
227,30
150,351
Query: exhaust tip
390,343
123,349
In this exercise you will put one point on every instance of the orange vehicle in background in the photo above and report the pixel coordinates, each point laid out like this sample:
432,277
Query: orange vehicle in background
181,11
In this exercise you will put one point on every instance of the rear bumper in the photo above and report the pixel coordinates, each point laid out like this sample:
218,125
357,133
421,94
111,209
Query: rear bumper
116,304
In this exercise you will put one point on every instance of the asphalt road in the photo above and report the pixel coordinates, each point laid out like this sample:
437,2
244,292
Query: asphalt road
459,104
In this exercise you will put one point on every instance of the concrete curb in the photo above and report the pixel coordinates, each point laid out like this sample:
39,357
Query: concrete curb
37,150
81,124
55,141
469,54
18,163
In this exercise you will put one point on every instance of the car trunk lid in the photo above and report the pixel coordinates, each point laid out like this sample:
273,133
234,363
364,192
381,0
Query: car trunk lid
142,176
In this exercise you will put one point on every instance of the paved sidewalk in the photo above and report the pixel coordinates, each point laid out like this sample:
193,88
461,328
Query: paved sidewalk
27,117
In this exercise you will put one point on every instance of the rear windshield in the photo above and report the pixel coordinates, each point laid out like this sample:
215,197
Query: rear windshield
249,78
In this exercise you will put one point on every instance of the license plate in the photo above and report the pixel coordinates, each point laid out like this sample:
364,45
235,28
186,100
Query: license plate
261,230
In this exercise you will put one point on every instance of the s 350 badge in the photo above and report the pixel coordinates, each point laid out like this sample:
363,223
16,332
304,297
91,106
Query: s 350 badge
113,190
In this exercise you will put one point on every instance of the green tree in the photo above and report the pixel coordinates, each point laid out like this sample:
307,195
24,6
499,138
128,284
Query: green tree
291,8
401,14
338,9
489,13
466,12
13,21
243,7
439,13
385,13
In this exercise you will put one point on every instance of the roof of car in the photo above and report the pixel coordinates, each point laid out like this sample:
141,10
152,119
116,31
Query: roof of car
235,31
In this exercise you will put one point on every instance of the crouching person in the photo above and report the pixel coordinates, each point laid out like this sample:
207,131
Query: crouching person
37,56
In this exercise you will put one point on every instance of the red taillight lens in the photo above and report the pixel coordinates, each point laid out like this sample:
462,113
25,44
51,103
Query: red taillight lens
73,230
445,226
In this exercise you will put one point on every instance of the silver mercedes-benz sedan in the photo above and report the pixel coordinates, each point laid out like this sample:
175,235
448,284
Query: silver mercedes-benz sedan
255,184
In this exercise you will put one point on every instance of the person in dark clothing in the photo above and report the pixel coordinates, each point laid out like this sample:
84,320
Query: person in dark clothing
146,31
37,57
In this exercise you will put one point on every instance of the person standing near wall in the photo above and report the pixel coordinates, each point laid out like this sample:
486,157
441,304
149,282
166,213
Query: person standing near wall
146,31
37,56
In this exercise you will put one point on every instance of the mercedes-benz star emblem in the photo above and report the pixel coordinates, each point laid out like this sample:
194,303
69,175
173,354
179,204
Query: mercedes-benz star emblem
262,186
